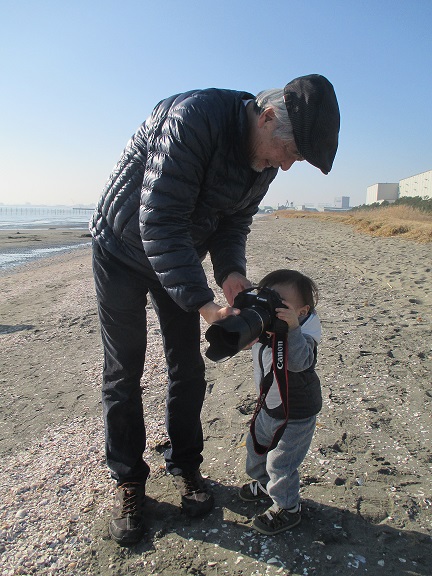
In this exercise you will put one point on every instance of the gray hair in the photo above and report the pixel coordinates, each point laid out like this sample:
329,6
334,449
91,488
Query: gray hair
274,98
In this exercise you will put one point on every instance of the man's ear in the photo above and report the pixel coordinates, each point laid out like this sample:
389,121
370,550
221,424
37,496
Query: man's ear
266,116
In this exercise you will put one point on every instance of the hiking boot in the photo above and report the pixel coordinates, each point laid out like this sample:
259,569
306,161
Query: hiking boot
253,491
196,499
127,521
275,520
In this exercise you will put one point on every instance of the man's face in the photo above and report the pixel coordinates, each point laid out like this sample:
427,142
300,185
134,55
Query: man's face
269,151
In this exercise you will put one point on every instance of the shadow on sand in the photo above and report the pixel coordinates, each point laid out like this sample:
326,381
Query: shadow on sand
328,541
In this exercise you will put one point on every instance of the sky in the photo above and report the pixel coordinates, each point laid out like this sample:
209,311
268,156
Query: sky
77,79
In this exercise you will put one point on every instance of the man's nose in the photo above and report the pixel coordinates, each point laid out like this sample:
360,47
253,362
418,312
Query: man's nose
286,164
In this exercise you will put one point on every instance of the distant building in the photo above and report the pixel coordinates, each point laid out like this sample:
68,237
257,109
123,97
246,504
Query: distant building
268,209
306,208
342,202
418,185
381,192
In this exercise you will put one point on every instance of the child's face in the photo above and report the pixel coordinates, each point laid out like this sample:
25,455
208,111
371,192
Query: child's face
291,297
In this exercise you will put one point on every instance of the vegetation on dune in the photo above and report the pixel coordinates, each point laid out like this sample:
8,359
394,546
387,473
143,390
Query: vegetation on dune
409,218
421,204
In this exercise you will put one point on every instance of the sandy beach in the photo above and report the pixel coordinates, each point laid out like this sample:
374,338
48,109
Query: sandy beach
366,483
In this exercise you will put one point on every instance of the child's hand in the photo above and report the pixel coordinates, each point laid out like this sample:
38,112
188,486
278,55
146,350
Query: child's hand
288,315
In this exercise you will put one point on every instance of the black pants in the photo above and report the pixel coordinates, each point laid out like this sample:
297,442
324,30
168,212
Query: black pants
122,298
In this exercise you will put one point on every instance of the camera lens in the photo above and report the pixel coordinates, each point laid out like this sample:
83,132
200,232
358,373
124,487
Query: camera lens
229,336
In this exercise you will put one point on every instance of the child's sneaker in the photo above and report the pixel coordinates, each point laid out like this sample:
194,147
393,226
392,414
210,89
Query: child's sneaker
275,520
253,491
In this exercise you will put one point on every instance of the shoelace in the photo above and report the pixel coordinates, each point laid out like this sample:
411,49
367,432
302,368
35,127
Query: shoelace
130,500
255,487
192,483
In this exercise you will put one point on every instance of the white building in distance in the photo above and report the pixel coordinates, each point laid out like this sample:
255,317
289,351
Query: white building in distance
381,192
418,185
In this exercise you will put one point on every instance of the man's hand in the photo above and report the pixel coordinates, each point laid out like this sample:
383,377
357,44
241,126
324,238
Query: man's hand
233,284
212,312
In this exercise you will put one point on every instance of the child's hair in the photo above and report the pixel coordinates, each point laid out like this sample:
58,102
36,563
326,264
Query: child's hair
305,286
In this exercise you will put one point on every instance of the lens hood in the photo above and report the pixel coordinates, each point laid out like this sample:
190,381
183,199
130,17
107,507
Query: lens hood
232,334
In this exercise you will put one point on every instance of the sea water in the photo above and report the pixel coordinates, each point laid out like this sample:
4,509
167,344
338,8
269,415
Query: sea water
40,217
16,217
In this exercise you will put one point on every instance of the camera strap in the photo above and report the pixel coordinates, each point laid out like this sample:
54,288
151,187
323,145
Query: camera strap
279,370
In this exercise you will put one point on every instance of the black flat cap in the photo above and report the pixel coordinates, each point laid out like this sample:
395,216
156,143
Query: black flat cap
314,113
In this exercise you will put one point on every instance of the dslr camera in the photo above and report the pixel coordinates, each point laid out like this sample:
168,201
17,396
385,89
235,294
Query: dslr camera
257,316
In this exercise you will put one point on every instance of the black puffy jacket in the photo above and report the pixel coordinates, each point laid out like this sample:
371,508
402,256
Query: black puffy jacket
183,188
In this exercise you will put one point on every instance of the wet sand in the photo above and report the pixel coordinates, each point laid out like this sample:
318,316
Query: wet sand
366,483
48,237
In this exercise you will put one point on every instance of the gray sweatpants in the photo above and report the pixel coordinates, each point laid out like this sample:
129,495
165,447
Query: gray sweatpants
278,469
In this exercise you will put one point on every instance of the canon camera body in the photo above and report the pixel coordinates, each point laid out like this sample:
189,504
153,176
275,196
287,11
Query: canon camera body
257,315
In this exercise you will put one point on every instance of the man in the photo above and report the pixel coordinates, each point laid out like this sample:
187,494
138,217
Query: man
187,184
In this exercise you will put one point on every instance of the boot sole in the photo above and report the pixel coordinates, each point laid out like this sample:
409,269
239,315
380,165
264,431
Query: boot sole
193,510
126,541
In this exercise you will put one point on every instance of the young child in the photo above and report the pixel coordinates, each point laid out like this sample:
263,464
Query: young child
275,473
